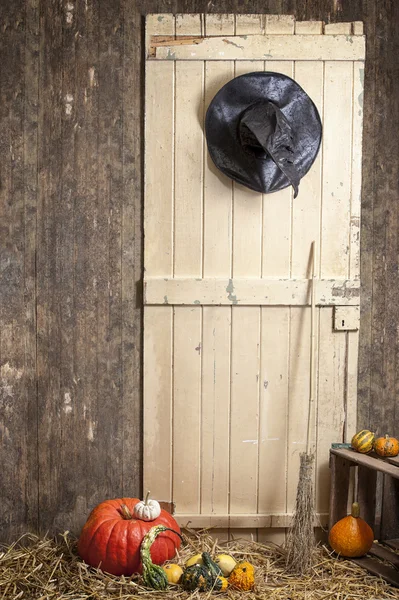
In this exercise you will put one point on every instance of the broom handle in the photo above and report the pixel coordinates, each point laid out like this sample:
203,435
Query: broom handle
312,344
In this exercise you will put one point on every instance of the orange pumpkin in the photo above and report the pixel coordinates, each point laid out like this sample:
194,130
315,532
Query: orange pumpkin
386,446
351,536
243,576
112,537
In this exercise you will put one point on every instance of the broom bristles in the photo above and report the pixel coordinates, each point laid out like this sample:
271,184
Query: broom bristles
300,540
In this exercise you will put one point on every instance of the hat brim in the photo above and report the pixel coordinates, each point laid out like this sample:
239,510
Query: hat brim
222,129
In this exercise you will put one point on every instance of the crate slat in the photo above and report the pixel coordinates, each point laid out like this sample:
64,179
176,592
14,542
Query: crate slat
372,462
376,567
385,554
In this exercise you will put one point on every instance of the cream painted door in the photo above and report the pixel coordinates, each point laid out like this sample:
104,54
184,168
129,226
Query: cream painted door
227,316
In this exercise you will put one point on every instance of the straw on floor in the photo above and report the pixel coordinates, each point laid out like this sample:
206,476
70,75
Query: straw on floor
50,569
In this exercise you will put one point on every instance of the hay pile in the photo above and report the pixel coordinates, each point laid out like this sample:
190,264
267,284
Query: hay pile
48,569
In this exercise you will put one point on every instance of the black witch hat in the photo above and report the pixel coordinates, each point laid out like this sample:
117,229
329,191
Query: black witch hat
263,131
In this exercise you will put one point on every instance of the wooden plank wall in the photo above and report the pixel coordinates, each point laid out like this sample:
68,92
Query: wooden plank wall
71,117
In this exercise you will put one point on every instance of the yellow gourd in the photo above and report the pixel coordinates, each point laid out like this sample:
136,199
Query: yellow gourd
226,563
173,572
193,560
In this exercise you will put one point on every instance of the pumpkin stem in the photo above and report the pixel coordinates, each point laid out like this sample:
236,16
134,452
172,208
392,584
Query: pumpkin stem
125,512
146,498
355,510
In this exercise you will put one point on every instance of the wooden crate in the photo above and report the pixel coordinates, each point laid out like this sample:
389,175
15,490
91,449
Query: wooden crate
377,482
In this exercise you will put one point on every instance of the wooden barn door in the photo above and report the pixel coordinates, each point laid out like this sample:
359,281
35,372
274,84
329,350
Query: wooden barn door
227,316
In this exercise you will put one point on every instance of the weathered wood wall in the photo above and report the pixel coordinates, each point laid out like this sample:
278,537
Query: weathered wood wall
71,111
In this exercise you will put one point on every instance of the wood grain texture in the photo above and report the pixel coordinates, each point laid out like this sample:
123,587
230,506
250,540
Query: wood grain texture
18,199
378,382
85,427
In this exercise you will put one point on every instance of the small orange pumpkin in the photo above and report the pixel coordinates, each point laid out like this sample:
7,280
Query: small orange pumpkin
386,446
243,576
351,536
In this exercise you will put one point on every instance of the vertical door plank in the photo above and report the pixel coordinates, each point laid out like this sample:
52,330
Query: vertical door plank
189,24
275,535
280,24
356,172
354,245
159,151
299,390
277,208
273,415
331,401
244,409
217,189
215,443
307,205
247,213
216,351
337,28
351,385
337,158
188,168
188,223
215,423
246,260
358,27
187,409
158,24
308,27
276,256
219,24
158,416
249,24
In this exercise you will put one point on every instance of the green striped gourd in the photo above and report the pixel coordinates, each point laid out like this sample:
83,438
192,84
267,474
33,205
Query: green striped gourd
203,577
363,441
153,575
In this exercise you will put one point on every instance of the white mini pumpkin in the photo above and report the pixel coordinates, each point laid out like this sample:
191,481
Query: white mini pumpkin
147,510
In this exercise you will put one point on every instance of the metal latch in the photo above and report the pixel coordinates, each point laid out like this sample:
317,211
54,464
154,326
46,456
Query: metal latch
346,318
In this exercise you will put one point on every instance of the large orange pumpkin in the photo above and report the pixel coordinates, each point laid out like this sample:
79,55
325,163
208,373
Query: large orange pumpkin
351,536
112,536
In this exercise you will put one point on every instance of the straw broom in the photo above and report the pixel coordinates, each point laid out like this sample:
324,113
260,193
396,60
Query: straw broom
300,540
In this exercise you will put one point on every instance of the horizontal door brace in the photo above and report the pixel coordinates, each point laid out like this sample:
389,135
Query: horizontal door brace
249,521
250,292
257,47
